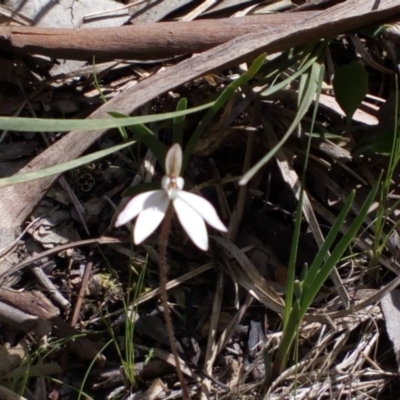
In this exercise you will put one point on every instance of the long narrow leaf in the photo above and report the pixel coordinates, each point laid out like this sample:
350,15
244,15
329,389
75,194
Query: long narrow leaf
59,168
320,277
308,97
62,125
179,122
143,134
228,92
309,291
282,84
288,336
329,240
287,59
291,275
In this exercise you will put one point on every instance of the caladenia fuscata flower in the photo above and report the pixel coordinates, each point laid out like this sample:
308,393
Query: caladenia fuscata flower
151,207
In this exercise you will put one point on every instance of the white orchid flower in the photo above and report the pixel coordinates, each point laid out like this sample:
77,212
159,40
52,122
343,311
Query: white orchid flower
151,207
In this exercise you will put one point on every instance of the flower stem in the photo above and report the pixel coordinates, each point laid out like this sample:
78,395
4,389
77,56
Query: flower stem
164,299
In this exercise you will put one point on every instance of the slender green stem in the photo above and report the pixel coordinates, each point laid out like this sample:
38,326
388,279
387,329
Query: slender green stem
164,299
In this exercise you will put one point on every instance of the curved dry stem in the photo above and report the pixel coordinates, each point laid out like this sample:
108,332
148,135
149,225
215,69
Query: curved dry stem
164,300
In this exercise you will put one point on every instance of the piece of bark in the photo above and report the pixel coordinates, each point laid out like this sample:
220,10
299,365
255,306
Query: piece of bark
28,311
142,41
34,303
18,201
17,318
391,310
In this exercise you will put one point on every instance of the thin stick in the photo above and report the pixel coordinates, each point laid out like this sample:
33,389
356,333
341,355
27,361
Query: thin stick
164,299
82,290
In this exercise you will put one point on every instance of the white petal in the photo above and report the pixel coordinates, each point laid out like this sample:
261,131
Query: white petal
204,208
136,205
180,182
149,219
192,223
173,160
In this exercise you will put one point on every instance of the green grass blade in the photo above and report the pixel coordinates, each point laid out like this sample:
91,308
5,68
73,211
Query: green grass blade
145,135
319,278
273,68
61,125
227,94
179,123
58,169
87,373
383,213
329,240
308,291
291,274
288,336
311,88
287,81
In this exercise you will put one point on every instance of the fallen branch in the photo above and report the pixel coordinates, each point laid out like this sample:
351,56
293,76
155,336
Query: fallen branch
140,41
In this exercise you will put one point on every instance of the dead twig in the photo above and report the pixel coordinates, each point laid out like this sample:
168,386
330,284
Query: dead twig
36,257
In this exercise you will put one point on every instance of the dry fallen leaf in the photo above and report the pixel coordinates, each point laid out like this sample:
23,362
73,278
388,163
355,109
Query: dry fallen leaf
11,357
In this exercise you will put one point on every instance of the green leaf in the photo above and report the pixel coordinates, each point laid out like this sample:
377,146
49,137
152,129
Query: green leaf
297,289
315,279
179,122
312,77
227,94
62,125
291,273
350,85
285,82
59,168
143,134
319,272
